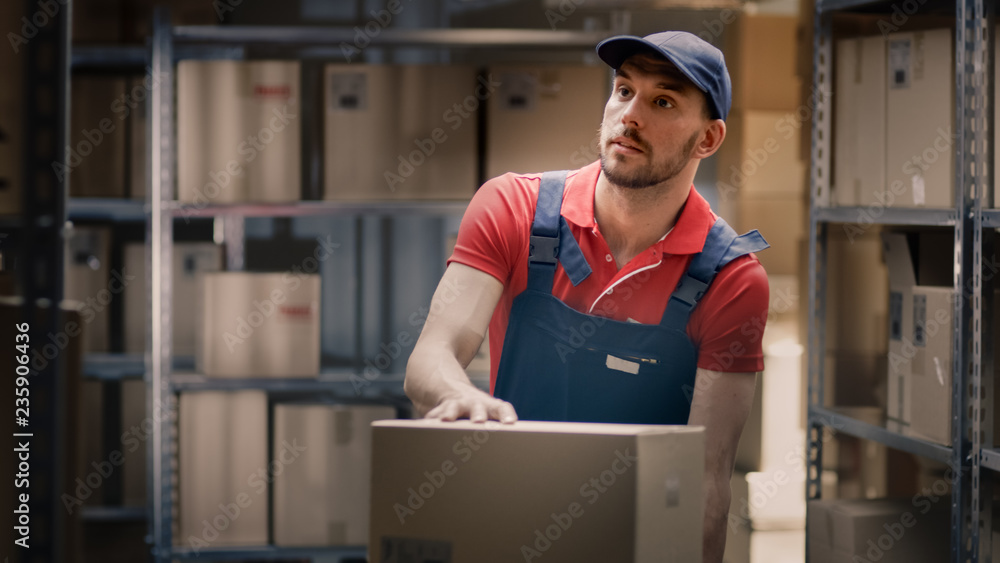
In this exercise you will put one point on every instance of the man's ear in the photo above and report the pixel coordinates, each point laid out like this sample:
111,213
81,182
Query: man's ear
715,133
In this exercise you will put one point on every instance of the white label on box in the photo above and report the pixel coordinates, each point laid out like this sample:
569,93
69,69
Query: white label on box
919,192
899,63
518,91
349,91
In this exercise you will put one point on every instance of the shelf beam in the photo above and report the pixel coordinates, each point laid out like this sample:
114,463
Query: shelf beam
323,208
830,418
266,552
886,216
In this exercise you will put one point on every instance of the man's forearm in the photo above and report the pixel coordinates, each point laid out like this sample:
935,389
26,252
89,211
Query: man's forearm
717,500
432,374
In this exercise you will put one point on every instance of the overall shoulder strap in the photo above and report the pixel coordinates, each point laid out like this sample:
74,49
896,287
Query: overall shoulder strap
551,240
722,246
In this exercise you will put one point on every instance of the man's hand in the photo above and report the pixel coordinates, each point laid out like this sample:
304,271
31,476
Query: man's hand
475,405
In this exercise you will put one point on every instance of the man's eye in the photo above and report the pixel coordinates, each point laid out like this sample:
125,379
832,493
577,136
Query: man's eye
622,91
664,103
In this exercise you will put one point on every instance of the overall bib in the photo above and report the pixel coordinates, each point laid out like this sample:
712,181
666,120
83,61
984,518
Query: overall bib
563,365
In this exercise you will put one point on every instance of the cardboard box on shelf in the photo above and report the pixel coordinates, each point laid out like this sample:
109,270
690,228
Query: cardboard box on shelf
191,259
920,346
857,281
258,325
761,155
401,132
544,117
223,463
781,220
323,498
537,488
920,152
761,64
97,150
90,282
862,465
887,530
133,447
859,121
238,131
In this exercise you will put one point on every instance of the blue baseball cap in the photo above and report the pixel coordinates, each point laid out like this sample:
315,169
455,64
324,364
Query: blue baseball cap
701,62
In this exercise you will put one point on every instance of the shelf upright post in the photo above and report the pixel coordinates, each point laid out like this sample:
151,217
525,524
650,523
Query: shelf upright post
819,189
966,426
986,244
159,238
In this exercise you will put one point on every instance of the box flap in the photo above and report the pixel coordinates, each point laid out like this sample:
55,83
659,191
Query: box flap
897,258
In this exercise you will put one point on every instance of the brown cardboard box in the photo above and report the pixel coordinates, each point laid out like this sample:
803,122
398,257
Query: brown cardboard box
90,437
761,155
544,117
238,131
224,471
884,530
761,63
89,281
322,498
133,447
571,492
401,131
190,261
920,152
859,120
781,220
96,159
258,325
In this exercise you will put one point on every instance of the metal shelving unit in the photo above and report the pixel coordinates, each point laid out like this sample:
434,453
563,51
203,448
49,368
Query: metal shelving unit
170,44
972,416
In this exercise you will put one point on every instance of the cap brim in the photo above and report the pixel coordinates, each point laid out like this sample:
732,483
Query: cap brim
614,50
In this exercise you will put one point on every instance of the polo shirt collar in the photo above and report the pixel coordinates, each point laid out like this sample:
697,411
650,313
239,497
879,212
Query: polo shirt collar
687,237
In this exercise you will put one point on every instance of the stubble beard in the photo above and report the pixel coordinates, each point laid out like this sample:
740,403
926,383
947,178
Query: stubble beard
645,176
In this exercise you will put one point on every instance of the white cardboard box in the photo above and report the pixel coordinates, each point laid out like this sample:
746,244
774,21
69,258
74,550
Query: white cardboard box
920,150
859,121
322,498
223,454
258,325
562,492
238,131
191,259
401,131
544,117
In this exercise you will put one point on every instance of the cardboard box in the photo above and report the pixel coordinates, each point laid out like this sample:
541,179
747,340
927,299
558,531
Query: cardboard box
134,450
98,137
760,155
191,259
857,284
761,62
884,530
859,121
224,468
258,325
544,117
90,438
782,221
920,152
401,131
238,131
920,351
862,465
536,489
89,282
322,498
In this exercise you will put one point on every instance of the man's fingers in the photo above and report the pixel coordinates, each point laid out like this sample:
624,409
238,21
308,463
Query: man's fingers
447,411
477,412
504,412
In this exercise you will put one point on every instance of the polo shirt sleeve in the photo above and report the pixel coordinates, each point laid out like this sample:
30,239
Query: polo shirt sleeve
493,231
729,321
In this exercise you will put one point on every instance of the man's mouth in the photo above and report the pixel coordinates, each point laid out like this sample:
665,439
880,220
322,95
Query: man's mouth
626,146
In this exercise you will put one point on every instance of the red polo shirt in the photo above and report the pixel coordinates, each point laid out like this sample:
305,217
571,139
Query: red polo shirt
727,325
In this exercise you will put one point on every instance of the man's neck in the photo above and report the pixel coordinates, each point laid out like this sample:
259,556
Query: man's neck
631,220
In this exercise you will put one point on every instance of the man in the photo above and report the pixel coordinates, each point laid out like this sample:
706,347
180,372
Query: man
615,294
